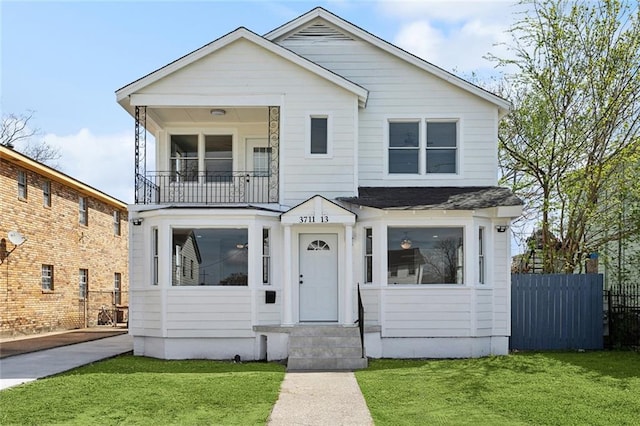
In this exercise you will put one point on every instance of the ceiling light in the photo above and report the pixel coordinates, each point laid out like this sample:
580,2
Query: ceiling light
218,112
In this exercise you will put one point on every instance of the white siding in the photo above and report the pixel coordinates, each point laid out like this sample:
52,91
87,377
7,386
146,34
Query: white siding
209,312
243,68
371,303
400,90
426,312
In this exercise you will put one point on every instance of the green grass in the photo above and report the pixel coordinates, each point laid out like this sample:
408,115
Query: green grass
590,388
144,391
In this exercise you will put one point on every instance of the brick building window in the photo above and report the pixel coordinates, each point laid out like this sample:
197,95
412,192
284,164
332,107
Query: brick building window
116,223
83,283
83,211
46,193
47,277
22,184
117,288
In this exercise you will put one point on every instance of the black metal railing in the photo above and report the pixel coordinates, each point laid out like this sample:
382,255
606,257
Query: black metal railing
205,188
623,313
361,320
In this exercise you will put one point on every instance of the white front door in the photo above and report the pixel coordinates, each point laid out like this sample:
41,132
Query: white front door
318,279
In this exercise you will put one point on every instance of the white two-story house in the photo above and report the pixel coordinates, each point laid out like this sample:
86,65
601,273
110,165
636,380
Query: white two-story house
301,172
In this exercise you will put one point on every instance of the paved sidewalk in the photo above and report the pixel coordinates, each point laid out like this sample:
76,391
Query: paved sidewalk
319,398
18,369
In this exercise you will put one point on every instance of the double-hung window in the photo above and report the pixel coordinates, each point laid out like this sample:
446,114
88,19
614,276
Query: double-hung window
208,156
83,211
218,161
422,147
368,255
47,277
184,157
46,193
117,288
22,184
481,260
83,283
116,223
266,256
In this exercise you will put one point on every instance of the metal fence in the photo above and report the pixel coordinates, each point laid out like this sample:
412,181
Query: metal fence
556,311
623,315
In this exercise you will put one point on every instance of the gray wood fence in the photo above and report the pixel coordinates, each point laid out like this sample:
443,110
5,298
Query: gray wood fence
556,311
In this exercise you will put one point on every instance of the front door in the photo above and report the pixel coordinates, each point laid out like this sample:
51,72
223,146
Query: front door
318,277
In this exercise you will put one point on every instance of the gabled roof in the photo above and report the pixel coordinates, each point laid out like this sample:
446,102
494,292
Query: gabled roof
300,22
241,33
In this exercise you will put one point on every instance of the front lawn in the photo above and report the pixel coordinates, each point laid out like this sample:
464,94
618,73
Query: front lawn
590,388
145,391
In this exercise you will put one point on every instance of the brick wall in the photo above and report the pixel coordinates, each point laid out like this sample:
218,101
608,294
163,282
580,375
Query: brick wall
55,237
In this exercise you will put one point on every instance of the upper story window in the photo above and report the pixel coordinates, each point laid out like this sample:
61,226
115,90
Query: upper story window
319,136
404,147
22,184
46,193
442,144
83,211
184,157
117,228
420,148
210,156
218,156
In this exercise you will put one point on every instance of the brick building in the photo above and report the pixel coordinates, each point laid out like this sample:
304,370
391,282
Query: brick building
72,269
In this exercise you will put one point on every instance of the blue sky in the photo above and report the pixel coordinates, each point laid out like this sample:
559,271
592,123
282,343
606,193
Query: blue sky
65,60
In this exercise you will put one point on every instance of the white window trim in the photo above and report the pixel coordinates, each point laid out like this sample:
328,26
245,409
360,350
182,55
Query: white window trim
422,148
237,151
468,270
307,135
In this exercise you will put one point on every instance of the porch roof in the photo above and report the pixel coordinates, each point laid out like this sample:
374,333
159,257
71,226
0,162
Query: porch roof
434,198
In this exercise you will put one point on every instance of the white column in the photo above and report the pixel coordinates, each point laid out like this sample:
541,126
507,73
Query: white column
287,288
348,272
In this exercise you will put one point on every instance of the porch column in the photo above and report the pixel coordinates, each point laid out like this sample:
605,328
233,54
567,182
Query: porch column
287,289
348,271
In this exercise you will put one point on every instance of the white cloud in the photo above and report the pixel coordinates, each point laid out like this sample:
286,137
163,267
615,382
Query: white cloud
454,35
105,162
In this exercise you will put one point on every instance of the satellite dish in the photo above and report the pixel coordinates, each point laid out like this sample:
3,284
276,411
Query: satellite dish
16,238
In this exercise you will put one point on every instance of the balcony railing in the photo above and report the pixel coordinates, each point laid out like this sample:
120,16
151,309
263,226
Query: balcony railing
206,188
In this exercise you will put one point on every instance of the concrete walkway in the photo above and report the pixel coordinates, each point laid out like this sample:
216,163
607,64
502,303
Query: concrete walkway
319,398
18,369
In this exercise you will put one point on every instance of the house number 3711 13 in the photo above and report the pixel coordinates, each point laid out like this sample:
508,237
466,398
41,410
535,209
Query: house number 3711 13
313,219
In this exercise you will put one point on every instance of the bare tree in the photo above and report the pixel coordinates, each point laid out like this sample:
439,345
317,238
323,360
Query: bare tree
16,133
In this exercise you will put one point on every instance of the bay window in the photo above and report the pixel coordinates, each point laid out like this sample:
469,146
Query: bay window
425,255
219,257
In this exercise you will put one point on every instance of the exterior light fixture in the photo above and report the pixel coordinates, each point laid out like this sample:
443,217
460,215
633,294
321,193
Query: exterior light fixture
137,221
501,228
217,112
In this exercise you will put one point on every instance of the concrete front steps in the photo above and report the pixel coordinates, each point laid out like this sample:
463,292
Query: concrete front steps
325,347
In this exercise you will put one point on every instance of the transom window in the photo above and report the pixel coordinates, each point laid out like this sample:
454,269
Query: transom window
219,257
318,245
414,149
425,255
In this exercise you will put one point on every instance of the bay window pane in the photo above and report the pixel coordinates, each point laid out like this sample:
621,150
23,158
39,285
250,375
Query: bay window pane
220,256
425,255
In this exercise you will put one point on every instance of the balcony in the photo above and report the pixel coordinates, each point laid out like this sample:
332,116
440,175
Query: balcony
206,188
